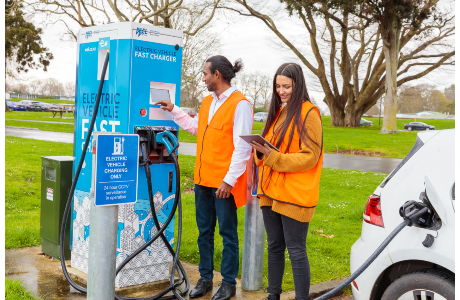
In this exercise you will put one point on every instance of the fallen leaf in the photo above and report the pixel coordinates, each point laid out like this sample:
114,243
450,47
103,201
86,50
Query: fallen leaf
327,236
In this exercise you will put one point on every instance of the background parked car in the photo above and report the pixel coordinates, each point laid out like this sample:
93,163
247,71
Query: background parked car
31,105
365,122
418,126
190,111
260,117
15,106
46,106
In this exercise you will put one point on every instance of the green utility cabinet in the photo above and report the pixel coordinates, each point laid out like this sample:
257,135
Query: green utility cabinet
56,183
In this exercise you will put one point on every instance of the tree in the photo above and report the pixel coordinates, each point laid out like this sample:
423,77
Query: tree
23,45
344,44
24,49
35,85
195,51
86,13
69,88
449,92
422,97
256,86
191,17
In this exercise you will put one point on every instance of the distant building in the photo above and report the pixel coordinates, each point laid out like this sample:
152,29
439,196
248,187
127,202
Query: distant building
12,95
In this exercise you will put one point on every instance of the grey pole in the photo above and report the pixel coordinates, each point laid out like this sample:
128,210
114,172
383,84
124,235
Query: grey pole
254,240
102,244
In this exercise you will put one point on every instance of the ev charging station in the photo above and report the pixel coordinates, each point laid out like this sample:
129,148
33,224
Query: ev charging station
145,66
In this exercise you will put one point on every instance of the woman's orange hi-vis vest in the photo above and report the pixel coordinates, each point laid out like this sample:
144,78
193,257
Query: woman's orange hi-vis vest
298,188
215,146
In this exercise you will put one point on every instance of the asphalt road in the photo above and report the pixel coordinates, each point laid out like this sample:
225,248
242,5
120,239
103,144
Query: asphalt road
335,161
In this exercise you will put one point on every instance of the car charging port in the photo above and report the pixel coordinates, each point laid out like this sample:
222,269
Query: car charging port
418,213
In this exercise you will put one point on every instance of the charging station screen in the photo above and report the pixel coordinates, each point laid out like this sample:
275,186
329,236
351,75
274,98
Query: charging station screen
158,95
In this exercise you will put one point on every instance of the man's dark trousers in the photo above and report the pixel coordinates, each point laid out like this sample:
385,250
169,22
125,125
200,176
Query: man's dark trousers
208,208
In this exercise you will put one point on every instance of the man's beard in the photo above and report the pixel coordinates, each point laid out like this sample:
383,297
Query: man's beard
211,87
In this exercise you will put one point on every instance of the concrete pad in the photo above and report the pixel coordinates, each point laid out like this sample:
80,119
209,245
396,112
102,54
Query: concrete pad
44,277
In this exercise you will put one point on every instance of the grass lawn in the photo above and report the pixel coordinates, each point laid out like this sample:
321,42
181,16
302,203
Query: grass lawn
38,116
343,195
51,101
14,290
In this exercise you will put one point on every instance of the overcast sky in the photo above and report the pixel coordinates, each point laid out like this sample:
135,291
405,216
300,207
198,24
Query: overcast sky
248,39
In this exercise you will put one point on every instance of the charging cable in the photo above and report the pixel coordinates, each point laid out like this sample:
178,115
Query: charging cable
410,217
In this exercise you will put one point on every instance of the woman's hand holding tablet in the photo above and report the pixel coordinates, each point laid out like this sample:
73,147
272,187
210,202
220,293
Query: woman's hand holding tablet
258,142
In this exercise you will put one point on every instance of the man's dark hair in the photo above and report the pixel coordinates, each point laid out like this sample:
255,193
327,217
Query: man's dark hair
224,66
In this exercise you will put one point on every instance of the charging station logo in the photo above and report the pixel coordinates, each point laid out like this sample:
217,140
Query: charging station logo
89,34
118,145
141,31
104,43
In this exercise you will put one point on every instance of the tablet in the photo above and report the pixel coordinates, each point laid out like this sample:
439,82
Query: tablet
257,138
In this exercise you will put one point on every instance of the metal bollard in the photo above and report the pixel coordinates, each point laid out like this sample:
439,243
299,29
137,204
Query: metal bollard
254,238
102,245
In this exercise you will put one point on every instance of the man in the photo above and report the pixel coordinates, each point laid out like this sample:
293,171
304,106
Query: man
220,170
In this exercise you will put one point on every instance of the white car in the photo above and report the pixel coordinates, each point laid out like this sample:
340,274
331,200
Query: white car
407,269
260,117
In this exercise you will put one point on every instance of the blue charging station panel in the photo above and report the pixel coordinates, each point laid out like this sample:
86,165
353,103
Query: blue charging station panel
145,64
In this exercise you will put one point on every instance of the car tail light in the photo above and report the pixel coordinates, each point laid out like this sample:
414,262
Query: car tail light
405,124
356,286
372,212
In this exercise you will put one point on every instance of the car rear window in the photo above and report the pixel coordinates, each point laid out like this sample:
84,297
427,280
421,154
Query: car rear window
418,144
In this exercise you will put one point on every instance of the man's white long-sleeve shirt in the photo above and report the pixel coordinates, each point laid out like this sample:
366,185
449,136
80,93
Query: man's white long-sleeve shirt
242,125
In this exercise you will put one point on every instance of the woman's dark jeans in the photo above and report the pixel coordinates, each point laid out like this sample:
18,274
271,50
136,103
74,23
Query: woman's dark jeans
285,232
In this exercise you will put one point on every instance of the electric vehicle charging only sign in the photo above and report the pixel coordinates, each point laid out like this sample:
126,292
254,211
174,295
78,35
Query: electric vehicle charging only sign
117,163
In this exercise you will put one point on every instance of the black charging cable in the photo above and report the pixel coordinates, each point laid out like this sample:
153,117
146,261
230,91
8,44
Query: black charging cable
409,220
160,230
75,180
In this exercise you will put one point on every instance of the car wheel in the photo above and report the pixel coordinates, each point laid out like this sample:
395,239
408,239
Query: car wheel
422,285
409,128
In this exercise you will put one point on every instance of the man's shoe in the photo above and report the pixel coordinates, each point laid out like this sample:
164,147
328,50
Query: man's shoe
272,297
225,292
201,288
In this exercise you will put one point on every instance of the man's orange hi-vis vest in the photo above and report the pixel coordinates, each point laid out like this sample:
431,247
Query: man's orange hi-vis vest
215,146
298,188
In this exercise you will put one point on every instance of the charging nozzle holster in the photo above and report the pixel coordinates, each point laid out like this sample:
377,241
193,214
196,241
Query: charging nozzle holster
157,144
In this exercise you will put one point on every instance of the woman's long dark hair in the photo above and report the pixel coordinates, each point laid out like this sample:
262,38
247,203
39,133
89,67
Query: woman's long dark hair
293,107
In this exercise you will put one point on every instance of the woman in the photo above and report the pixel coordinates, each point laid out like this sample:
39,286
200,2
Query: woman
289,178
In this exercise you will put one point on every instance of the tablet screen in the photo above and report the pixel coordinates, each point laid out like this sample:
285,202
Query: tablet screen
257,138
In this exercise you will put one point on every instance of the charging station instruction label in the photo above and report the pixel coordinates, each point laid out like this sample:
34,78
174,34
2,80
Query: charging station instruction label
117,163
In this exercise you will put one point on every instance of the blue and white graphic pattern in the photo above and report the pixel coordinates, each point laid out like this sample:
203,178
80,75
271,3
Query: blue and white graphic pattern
135,228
